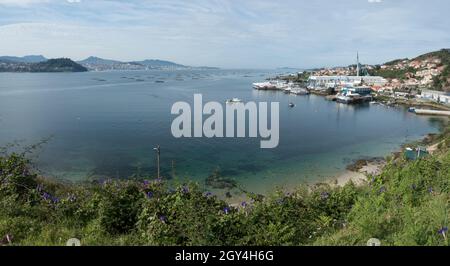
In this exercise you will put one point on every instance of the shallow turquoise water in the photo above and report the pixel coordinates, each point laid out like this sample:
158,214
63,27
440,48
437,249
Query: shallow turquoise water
105,124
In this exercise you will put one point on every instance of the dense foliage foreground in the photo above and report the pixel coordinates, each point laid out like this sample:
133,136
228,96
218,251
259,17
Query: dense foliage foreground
408,204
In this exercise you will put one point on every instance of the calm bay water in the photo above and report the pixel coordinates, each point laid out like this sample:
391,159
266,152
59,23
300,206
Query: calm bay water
105,124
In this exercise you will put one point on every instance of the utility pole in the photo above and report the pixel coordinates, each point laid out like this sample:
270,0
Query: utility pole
158,151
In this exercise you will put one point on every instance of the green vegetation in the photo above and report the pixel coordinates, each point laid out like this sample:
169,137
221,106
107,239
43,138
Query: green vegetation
392,73
442,82
58,65
51,65
408,204
298,78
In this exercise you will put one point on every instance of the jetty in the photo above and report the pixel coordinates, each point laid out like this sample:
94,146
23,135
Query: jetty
431,112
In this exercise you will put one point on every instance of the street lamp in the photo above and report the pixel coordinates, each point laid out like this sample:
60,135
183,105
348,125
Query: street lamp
158,151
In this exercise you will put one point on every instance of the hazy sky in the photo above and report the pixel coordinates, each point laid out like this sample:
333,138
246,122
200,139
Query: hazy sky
241,33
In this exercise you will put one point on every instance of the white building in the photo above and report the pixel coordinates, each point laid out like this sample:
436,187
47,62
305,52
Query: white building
333,81
437,96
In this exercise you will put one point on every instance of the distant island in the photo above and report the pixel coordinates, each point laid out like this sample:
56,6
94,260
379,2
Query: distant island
38,63
29,64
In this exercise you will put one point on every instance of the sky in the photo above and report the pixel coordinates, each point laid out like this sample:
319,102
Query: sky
226,33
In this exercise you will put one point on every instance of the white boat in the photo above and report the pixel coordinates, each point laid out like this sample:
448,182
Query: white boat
234,100
264,86
300,91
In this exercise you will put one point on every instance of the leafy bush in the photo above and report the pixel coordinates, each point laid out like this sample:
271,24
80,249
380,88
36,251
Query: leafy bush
407,204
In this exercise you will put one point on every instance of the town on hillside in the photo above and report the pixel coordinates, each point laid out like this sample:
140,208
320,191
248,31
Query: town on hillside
424,79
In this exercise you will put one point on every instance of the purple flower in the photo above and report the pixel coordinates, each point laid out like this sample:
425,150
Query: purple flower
185,189
146,183
324,195
382,189
443,230
55,199
430,189
226,210
244,204
149,194
208,194
46,196
163,218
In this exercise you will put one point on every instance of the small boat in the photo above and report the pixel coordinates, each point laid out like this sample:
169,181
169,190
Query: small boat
291,105
412,109
234,100
300,91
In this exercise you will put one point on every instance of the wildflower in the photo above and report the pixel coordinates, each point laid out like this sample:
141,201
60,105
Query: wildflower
430,189
226,210
163,218
55,199
185,189
324,195
244,204
149,194
46,196
443,231
146,183
208,194
382,189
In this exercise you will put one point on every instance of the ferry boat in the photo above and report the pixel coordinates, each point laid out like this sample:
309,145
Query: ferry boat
354,95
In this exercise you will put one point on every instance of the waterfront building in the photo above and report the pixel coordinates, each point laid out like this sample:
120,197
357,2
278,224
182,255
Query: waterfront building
325,82
437,96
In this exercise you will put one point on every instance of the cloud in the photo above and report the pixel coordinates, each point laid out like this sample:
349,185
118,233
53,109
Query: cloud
22,3
252,33
375,1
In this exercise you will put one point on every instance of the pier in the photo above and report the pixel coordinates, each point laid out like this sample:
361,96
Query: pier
431,112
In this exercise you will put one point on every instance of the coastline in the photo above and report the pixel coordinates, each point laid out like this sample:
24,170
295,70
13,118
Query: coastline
357,172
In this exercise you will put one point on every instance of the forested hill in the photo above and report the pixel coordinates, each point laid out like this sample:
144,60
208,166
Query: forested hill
51,65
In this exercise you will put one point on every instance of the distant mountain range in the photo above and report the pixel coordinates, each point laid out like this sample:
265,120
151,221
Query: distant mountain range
92,63
100,64
24,59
